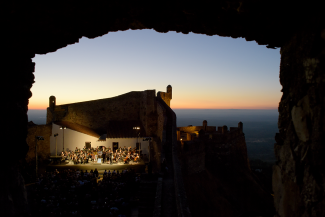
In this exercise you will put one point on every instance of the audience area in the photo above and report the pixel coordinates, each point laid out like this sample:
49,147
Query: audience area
84,193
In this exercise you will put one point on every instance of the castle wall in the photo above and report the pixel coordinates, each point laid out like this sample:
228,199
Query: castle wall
192,129
166,96
227,149
95,114
192,156
161,132
43,146
148,111
214,151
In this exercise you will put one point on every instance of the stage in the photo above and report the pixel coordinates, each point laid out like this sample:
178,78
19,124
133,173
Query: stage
101,167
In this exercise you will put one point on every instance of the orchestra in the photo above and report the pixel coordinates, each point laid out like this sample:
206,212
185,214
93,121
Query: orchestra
109,156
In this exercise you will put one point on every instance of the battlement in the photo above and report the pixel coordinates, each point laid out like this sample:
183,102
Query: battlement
207,132
166,96
211,147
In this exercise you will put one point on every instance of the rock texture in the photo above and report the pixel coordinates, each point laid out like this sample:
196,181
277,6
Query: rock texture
43,146
299,176
228,192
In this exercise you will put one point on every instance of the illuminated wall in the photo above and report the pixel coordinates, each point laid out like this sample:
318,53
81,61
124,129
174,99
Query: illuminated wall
73,139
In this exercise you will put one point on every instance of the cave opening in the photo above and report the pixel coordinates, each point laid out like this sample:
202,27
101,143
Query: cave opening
32,28
72,76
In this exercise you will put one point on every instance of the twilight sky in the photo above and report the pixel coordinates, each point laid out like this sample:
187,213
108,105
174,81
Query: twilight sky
206,72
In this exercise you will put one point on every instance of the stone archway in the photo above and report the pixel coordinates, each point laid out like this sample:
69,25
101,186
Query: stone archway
33,27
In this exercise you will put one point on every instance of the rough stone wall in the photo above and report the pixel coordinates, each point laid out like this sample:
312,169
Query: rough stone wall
227,149
95,114
148,111
192,156
43,146
166,96
156,154
299,174
161,129
18,78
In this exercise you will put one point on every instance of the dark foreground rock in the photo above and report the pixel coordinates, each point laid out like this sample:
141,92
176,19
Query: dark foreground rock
227,193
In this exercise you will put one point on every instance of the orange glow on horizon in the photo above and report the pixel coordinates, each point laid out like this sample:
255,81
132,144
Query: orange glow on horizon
224,107
250,104
188,101
43,106
37,106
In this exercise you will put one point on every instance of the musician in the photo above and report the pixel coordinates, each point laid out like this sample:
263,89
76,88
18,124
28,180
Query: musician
111,154
136,159
104,156
127,159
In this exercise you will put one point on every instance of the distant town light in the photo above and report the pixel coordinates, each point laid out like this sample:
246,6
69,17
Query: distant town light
136,128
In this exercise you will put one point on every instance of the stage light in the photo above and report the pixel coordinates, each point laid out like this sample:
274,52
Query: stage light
63,134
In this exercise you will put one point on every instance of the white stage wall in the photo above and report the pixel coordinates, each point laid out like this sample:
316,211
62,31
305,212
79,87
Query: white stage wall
73,139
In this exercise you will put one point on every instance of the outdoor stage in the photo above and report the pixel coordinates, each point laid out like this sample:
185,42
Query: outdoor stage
101,167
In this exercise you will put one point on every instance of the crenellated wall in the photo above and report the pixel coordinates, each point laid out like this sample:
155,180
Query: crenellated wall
214,151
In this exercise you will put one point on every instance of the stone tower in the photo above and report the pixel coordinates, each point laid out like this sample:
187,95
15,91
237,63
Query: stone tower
169,91
167,96
205,124
224,129
240,126
52,102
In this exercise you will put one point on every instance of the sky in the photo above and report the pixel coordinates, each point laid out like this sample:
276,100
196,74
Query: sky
206,72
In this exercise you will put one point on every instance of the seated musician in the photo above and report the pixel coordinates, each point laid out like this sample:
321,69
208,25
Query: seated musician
136,159
114,157
127,159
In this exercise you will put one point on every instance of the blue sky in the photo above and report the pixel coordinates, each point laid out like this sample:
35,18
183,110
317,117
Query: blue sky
206,72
